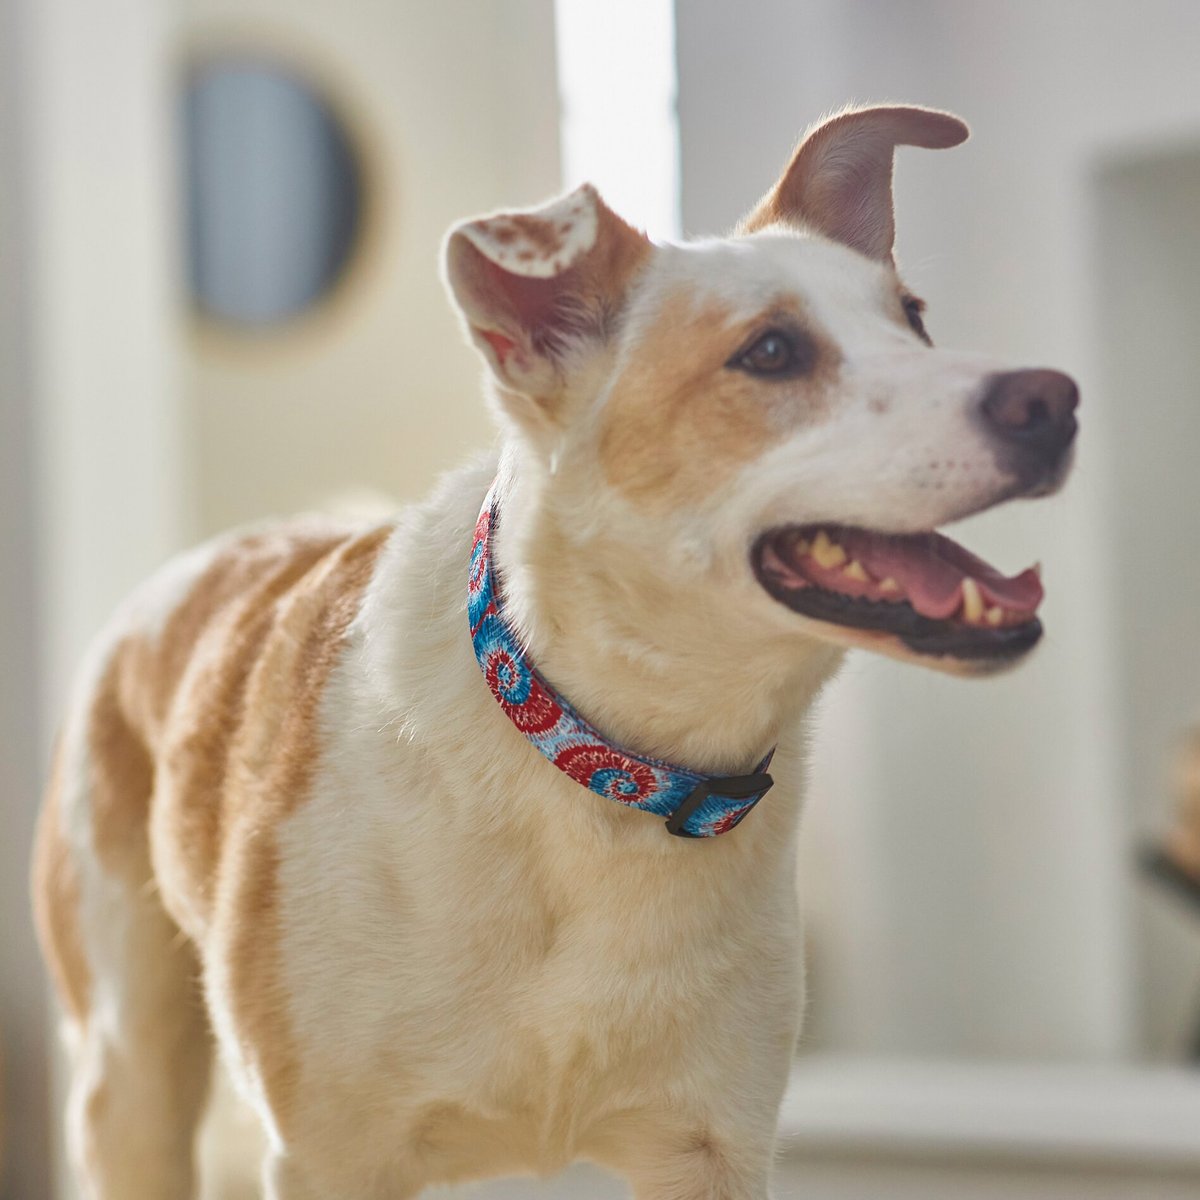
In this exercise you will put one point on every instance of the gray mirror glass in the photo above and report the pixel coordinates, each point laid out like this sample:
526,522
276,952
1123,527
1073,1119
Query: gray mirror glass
273,192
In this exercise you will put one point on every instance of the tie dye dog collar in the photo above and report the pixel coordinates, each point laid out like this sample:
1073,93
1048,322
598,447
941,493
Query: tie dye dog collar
693,804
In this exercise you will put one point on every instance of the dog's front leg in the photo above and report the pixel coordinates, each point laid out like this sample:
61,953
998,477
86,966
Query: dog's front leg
288,1177
708,1171
696,1165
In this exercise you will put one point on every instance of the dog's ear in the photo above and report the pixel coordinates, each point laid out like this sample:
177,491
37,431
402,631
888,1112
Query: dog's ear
540,288
839,181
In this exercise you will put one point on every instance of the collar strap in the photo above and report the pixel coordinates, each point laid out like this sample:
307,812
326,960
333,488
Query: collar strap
694,805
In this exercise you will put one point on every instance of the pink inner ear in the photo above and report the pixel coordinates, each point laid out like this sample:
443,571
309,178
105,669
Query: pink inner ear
501,345
534,302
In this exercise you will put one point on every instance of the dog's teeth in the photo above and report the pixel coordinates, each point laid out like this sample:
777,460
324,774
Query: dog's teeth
889,585
855,570
801,547
995,615
772,562
972,601
828,554
1037,569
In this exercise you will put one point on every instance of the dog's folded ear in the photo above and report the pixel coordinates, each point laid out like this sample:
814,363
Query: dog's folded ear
839,180
540,288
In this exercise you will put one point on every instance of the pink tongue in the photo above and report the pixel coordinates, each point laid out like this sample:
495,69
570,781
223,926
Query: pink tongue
931,569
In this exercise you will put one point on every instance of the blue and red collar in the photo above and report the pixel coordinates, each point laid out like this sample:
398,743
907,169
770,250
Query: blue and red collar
694,805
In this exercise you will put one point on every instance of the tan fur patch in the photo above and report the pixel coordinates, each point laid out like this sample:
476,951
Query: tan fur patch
276,755
194,682
678,420
207,733
122,778
56,901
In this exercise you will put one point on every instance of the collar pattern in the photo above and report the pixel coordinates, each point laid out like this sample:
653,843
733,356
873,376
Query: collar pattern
694,805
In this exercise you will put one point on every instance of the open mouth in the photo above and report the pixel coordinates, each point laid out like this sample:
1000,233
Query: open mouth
933,595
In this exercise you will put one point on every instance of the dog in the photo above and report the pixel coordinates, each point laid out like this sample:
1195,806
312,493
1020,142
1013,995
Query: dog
468,837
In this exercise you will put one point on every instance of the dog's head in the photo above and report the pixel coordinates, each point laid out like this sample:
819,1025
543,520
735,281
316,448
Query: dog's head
760,422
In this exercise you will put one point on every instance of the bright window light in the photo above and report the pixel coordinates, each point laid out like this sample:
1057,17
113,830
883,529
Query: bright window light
620,129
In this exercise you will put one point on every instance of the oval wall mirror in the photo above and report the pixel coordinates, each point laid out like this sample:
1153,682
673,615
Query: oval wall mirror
273,189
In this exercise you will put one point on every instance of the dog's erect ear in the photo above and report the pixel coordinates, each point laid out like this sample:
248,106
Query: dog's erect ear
839,182
540,286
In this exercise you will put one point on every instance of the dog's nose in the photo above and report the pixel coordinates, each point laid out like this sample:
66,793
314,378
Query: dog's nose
1033,410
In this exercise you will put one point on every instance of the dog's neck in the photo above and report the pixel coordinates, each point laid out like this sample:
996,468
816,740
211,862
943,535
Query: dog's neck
656,676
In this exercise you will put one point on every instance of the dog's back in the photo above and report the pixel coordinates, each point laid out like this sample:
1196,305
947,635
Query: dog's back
197,708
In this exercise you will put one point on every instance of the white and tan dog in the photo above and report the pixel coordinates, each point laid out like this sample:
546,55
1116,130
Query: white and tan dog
288,811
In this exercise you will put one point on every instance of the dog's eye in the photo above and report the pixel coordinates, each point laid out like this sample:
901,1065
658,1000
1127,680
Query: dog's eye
775,352
913,308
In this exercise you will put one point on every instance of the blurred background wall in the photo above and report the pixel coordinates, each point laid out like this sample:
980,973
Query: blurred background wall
197,331
448,110
985,832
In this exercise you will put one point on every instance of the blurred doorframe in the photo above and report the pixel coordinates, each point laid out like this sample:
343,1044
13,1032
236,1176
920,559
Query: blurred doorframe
90,463
24,1112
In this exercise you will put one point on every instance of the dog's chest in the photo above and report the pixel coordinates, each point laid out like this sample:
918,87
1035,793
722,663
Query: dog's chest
511,987
500,977
574,1020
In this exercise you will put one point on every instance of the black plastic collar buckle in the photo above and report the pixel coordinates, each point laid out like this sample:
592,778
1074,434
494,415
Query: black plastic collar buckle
734,787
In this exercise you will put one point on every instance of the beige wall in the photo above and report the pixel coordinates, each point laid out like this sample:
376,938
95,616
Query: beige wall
455,108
